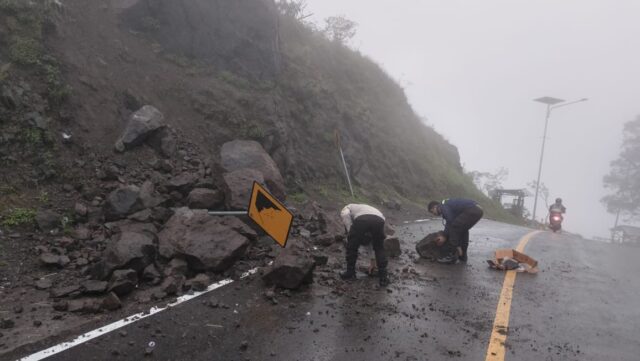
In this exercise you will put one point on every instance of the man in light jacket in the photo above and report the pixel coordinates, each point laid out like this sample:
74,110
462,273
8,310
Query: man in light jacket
361,220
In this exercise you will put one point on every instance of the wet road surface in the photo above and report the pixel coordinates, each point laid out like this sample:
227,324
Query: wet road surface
583,305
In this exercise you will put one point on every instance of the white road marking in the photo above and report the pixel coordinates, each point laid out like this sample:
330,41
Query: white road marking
420,220
126,321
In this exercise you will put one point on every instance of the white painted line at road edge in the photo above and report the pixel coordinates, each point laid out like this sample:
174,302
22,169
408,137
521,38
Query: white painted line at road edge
126,321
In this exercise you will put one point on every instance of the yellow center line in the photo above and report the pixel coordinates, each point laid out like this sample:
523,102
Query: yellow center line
496,349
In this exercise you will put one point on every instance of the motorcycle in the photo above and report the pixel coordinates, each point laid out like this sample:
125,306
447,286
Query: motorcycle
555,221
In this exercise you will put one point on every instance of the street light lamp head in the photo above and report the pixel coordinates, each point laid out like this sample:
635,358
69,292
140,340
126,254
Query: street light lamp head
549,100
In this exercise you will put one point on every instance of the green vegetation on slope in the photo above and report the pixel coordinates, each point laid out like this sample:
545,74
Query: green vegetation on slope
391,153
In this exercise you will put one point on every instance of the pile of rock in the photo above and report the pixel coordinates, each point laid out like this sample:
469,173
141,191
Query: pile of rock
146,227
149,228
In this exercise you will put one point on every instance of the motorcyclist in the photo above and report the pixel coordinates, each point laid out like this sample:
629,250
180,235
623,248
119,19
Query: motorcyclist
557,207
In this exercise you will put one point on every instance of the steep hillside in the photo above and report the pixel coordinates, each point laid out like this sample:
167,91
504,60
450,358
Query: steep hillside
223,70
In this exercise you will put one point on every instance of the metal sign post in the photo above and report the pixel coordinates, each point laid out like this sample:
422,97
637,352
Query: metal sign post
344,163
227,213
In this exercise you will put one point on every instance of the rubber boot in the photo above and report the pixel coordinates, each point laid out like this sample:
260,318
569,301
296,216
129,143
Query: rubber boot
348,275
384,278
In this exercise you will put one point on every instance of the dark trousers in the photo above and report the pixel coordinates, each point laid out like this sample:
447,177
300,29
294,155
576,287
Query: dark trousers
361,228
459,228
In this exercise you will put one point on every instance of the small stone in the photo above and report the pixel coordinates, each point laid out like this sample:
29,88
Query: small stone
151,275
320,260
95,287
60,305
50,259
64,291
82,234
18,309
48,220
37,323
123,282
172,284
123,333
177,266
111,302
6,323
244,345
304,233
142,216
214,302
76,306
202,198
80,210
200,282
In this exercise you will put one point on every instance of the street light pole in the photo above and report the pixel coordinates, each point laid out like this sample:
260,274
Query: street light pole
551,104
544,141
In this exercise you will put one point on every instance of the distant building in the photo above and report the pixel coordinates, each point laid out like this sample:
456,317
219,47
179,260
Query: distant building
625,234
516,204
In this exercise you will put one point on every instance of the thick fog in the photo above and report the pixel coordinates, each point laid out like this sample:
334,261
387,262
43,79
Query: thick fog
473,69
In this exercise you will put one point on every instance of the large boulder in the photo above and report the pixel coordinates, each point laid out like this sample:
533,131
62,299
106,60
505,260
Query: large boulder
203,240
327,221
427,247
291,269
239,226
130,250
141,125
123,201
238,185
249,154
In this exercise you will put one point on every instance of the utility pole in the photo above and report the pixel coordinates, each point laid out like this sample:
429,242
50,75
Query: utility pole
544,141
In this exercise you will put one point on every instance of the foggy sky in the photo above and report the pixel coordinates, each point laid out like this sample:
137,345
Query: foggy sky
473,67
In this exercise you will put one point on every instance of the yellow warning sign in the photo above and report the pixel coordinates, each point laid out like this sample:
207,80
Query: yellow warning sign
271,215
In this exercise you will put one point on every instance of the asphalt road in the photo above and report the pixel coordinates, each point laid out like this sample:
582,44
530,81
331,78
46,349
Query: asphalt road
583,305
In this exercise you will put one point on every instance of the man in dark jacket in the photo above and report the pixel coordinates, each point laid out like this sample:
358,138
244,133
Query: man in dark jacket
459,216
